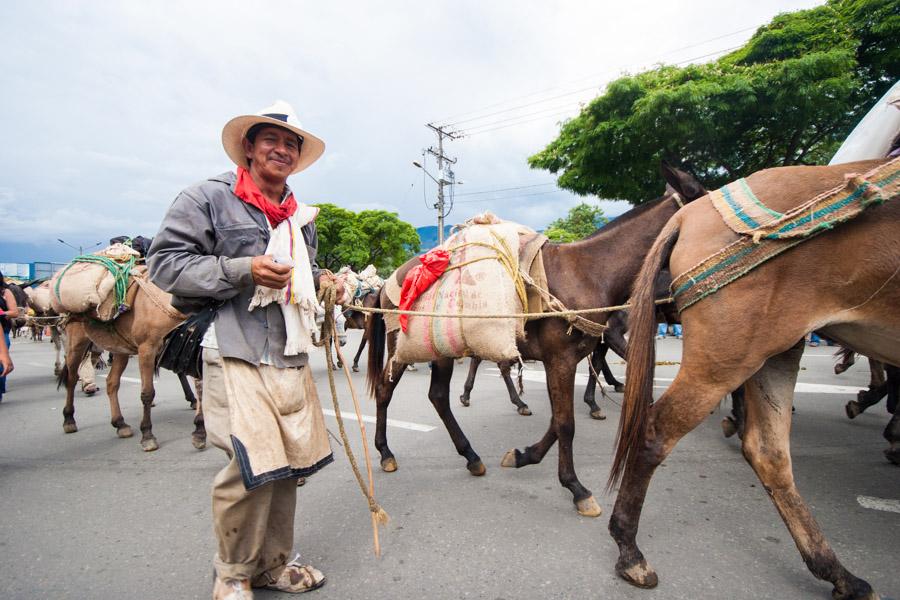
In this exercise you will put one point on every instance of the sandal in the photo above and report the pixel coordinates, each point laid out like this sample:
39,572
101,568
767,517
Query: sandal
297,579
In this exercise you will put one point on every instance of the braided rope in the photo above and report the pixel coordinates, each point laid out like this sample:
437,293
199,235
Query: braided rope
328,295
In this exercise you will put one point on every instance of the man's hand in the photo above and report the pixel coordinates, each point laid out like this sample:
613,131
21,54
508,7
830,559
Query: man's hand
6,364
342,296
268,273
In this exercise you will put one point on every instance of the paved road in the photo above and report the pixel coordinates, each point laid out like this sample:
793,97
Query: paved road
90,516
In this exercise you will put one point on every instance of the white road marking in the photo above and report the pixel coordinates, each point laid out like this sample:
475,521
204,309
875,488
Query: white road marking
803,388
124,378
390,422
879,503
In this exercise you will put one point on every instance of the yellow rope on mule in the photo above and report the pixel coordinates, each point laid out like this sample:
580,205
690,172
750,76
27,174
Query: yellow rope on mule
328,294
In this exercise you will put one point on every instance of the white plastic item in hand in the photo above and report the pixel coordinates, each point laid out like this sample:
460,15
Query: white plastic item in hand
284,260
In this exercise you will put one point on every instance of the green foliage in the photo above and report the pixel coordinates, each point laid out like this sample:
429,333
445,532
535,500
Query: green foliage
374,237
789,96
581,221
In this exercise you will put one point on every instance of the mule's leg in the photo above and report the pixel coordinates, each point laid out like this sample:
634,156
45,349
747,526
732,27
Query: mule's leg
384,391
362,344
769,394
439,394
865,399
892,435
474,362
734,424
113,379
186,389
68,374
198,437
521,407
147,363
56,338
590,392
680,409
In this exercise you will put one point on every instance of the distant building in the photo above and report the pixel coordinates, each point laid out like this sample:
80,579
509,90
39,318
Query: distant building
29,271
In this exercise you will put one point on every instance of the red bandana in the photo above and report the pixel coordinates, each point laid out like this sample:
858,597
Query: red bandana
247,190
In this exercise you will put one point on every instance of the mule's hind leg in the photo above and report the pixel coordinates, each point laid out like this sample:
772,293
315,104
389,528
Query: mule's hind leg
116,368
439,394
68,373
362,344
680,409
521,407
464,398
768,395
147,362
198,437
892,435
384,391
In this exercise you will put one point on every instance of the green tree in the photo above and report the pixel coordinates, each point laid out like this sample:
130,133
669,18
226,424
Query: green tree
581,221
374,237
789,96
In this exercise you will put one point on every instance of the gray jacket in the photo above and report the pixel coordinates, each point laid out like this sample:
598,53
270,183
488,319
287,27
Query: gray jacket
202,253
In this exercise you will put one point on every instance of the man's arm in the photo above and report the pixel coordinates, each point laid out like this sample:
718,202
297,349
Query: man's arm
6,364
180,259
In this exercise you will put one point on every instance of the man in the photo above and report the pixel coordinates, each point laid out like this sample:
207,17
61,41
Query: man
219,243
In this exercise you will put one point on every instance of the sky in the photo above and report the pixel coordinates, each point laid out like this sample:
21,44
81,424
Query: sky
110,109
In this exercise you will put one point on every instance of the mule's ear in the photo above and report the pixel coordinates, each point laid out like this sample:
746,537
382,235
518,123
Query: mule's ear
683,183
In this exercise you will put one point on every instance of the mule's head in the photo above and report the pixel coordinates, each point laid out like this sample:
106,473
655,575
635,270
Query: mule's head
681,182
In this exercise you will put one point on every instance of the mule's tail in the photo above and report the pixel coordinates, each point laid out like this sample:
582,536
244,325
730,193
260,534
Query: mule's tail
376,332
641,353
63,377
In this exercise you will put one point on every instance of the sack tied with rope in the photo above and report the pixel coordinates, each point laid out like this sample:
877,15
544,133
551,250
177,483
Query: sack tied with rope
96,284
482,276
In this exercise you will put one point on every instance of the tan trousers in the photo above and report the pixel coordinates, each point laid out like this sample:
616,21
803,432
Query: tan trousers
255,529
86,371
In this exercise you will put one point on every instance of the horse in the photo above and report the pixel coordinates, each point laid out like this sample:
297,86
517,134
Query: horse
614,253
22,302
38,300
750,332
139,331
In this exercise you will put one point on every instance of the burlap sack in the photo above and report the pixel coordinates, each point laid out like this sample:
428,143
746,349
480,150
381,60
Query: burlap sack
39,298
482,286
88,287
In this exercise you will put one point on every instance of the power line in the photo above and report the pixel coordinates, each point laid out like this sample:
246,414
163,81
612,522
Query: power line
519,187
448,120
516,196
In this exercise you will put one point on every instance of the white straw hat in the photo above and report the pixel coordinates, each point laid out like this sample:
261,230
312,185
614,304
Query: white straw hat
279,114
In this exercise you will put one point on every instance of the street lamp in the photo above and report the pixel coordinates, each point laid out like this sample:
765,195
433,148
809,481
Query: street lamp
79,248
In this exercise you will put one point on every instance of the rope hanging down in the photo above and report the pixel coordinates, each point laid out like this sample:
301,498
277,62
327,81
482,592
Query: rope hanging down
328,295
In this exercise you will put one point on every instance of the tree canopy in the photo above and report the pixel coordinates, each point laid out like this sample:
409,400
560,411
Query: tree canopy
581,221
375,237
788,96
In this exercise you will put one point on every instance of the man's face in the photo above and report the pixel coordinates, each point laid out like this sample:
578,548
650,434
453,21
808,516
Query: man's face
274,153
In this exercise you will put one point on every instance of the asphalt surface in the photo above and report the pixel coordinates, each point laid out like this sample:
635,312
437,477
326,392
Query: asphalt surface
91,516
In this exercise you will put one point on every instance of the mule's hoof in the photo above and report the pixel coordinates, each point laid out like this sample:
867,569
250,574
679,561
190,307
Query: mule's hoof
860,590
198,442
524,411
464,400
389,465
619,389
639,575
852,409
70,427
355,368
193,405
509,459
301,481
477,468
598,414
149,445
124,431
588,507
893,455
729,427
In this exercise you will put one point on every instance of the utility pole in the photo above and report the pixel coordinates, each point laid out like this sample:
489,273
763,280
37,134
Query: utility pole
445,176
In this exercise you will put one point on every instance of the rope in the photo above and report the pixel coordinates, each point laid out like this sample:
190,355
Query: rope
328,295
152,293
541,315
119,271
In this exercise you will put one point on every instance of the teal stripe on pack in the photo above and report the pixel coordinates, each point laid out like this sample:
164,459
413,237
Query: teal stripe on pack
738,211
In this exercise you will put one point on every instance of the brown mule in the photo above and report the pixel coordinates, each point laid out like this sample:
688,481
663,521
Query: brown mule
596,271
141,331
843,283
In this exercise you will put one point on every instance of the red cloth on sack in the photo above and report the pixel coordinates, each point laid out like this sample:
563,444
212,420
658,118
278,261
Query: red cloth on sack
247,190
420,278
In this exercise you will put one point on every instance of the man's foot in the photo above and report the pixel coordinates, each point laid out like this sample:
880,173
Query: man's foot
232,589
90,389
296,579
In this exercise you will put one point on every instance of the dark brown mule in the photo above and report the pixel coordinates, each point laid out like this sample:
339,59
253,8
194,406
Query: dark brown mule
597,271
843,282
357,320
505,372
139,331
